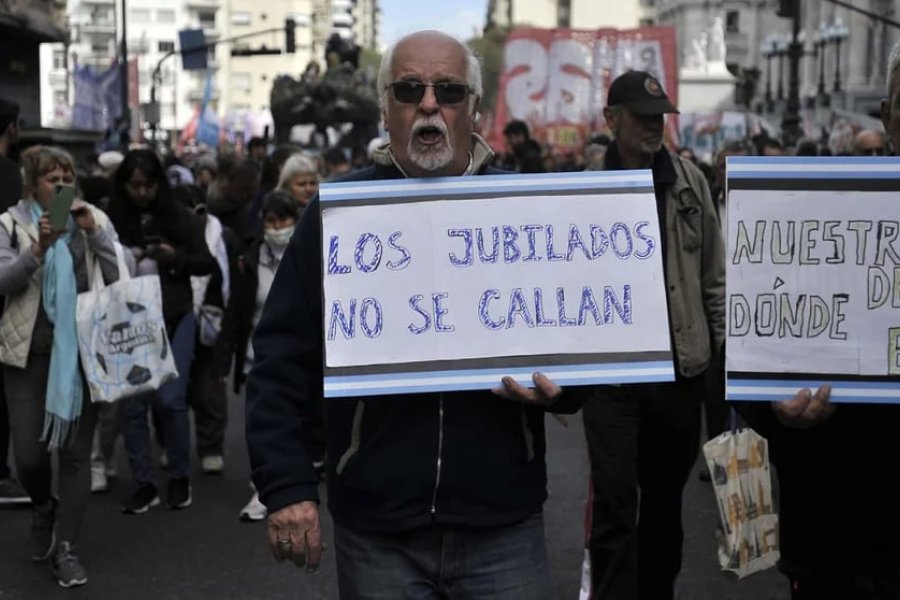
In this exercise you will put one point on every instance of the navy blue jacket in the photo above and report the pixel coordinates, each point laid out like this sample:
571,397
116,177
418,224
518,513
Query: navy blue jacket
394,462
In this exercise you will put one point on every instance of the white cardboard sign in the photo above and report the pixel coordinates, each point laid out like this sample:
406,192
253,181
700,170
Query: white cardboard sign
449,284
814,277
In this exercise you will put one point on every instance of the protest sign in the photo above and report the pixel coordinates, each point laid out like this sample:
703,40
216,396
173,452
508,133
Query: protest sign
451,283
557,79
813,277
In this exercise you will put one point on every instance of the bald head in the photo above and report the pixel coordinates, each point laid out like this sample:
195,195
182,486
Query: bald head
869,142
426,38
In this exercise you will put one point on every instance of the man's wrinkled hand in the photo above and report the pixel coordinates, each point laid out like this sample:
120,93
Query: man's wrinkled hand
806,409
295,535
544,392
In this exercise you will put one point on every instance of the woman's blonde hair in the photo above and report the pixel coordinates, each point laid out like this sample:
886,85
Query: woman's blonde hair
40,160
296,164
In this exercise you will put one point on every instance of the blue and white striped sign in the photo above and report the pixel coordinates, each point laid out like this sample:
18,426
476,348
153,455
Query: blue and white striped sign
813,277
452,283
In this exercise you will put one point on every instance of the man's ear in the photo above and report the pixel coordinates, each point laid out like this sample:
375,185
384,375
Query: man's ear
473,111
384,116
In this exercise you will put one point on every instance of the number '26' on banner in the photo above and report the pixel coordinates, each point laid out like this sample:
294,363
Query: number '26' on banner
452,283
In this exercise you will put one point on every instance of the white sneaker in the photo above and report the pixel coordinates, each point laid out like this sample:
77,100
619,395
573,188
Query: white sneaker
254,511
212,464
99,482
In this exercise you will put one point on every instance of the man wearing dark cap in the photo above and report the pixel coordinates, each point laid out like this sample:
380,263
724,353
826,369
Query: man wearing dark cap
643,438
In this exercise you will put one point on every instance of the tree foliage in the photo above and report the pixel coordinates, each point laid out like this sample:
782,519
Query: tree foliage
489,48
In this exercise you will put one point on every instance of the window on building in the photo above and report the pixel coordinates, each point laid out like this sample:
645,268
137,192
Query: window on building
240,18
564,13
139,15
166,46
242,80
59,59
100,47
646,22
207,19
732,21
165,15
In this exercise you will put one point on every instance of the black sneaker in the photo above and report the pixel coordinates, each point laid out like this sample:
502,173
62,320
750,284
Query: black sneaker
179,493
67,568
11,493
43,537
142,500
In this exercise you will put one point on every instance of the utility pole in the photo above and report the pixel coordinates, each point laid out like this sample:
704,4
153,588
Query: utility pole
123,66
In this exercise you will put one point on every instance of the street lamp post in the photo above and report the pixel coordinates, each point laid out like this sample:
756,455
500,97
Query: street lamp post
767,49
819,42
838,33
781,52
790,123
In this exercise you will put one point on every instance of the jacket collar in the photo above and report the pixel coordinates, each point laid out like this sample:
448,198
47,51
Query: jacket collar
480,156
21,214
663,166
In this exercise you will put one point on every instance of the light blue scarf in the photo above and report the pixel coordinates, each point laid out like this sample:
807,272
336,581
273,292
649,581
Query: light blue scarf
62,407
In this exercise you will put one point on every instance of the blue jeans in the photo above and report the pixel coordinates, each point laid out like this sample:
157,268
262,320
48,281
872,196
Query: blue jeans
500,563
170,404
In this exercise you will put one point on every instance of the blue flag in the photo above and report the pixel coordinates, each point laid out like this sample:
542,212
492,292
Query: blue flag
208,123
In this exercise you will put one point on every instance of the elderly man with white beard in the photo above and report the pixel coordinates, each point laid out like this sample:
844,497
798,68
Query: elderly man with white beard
433,495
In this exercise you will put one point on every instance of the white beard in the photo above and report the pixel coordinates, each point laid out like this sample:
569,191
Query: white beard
430,158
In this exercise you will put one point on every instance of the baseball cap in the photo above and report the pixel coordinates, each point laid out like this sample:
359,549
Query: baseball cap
641,93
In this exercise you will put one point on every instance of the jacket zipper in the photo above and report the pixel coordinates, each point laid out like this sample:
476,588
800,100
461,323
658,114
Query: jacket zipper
437,476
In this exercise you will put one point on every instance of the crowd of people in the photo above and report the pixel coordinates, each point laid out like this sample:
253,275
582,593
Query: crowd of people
235,242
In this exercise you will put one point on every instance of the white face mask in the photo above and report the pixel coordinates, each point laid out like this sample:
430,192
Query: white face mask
279,238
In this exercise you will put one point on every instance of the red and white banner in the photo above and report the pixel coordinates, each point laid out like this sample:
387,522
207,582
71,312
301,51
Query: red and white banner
557,79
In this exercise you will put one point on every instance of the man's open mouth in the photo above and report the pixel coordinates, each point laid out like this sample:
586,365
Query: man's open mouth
429,135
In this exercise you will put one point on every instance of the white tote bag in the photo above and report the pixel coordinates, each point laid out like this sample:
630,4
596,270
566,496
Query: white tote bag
747,535
122,335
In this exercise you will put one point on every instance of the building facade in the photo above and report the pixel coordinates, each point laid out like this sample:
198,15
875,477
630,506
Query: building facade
242,71
576,14
845,53
24,26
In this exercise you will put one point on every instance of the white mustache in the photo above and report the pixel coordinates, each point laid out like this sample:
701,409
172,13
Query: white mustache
430,121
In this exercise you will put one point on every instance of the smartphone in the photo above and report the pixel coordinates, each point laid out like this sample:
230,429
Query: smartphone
60,204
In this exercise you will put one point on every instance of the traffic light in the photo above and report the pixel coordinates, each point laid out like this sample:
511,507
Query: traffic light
787,8
290,43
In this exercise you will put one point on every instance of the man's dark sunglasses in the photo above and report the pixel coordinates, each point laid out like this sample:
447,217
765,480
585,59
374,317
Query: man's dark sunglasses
445,92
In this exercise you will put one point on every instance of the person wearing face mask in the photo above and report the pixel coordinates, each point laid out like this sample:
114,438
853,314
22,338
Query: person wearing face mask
252,277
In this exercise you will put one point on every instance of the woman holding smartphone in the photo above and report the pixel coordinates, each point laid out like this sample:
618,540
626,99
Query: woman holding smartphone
165,239
42,270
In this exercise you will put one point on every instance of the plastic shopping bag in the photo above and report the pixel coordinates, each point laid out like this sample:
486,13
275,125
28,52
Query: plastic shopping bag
748,534
122,337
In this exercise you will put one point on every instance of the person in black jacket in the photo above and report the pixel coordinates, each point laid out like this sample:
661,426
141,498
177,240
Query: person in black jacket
409,477
253,274
836,468
167,240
